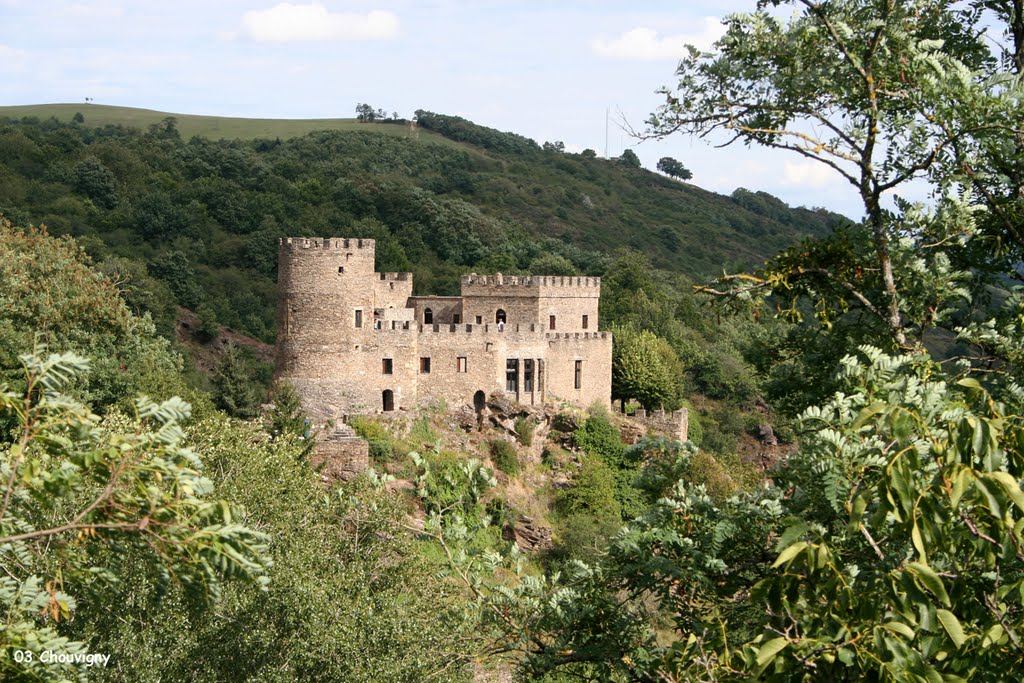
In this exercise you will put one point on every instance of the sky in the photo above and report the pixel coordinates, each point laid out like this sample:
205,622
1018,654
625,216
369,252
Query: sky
548,70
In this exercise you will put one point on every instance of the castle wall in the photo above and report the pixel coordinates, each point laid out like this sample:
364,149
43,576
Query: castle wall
484,295
569,299
533,300
443,309
391,290
674,424
594,353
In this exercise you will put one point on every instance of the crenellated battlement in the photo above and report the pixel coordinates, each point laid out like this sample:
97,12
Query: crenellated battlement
486,329
395,277
534,281
325,243
575,336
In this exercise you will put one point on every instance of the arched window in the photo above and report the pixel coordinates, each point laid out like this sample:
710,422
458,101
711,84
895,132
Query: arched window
499,317
389,400
428,316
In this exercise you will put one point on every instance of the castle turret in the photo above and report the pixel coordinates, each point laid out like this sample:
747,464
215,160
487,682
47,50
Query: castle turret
324,311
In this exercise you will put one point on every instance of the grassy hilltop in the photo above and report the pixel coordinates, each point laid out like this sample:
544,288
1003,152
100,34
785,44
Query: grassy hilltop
213,127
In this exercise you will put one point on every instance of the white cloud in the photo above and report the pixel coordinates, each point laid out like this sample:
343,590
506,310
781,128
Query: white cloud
645,43
286,22
807,174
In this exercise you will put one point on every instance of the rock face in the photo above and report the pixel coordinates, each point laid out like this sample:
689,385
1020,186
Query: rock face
527,534
340,455
766,435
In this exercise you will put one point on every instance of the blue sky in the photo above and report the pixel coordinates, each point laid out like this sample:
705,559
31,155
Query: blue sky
547,70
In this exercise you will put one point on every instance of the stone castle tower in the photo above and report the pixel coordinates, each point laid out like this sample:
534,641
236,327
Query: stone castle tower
353,341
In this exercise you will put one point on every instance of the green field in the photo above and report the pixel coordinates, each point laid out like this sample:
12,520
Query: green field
214,127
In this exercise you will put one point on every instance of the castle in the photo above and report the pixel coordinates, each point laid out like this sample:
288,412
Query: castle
354,341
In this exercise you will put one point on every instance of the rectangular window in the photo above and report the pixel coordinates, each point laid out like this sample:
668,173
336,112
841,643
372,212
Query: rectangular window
456,318
425,366
585,322
528,374
512,374
359,318
387,366
579,374
461,365
479,320
551,322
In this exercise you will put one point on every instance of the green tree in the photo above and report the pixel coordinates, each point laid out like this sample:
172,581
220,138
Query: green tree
645,368
674,168
552,264
96,182
235,390
351,595
629,159
891,91
73,482
50,292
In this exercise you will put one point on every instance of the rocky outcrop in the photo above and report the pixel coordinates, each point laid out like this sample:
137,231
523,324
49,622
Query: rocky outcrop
527,534
340,455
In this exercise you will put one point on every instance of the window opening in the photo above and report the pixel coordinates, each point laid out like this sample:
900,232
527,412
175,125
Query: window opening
512,374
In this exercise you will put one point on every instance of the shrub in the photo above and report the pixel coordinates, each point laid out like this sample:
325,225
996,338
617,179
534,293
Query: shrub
524,430
381,450
422,433
370,430
600,437
504,456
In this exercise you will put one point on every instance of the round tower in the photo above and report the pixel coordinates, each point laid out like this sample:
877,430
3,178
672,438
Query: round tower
325,295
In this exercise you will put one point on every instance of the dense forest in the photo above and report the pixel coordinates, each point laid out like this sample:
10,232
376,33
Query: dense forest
849,503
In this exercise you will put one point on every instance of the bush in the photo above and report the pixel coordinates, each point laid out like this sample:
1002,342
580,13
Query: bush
524,430
422,433
381,450
370,430
600,437
504,456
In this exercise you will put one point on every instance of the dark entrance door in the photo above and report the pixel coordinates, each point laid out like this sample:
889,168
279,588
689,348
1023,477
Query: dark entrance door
479,400
389,400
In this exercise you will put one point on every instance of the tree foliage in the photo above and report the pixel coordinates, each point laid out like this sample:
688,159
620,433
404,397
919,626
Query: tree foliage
674,168
73,482
49,292
645,368
882,93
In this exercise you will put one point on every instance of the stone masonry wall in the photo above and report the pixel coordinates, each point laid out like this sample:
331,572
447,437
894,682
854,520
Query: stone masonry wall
674,424
443,309
593,351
